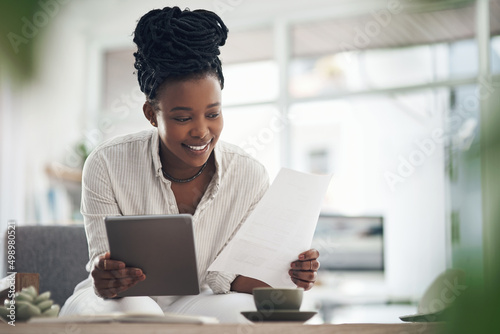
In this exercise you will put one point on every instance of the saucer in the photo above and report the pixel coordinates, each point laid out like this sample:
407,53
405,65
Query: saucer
278,315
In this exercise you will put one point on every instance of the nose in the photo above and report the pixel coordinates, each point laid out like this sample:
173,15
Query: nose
200,129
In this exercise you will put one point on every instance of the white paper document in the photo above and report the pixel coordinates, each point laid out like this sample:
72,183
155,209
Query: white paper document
279,229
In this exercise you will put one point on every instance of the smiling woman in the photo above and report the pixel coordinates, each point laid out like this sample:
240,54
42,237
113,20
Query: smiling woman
179,166
189,121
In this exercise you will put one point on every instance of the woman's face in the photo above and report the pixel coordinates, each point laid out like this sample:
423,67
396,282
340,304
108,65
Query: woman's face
189,121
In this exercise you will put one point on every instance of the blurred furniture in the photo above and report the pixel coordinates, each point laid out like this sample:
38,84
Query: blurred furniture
352,263
24,280
21,280
57,253
65,193
350,243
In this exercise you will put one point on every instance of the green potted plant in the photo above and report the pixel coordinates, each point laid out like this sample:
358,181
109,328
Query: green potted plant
27,304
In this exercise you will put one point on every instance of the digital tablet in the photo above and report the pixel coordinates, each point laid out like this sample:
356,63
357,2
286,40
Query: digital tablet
162,246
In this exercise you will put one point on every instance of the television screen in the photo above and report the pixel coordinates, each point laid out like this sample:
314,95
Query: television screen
350,243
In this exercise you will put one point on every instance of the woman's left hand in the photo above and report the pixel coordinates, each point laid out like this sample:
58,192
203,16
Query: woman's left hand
303,271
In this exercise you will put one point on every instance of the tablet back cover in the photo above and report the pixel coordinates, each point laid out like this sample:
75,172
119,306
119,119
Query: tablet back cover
162,246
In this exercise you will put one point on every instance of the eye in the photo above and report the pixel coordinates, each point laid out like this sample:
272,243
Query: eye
215,115
182,119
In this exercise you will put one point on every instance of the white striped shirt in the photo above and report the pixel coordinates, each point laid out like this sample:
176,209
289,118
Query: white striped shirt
123,176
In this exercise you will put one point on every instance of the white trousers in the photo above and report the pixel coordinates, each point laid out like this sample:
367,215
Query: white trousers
226,307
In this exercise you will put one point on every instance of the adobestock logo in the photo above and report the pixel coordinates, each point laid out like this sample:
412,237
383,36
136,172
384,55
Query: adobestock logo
31,26
363,36
254,144
222,6
463,117
416,158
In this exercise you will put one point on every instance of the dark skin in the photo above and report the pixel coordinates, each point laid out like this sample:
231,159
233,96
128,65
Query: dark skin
112,277
188,195
189,121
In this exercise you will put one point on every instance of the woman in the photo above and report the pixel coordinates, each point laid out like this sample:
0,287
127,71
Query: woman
177,167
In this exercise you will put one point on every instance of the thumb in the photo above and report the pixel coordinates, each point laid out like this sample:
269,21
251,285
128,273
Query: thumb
106,256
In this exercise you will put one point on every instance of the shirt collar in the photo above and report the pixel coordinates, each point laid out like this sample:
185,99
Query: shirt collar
218,163
155,152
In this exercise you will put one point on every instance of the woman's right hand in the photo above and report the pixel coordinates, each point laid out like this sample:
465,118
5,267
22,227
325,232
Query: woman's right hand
112,277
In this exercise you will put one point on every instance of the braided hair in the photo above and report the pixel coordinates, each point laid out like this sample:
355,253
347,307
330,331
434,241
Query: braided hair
177,44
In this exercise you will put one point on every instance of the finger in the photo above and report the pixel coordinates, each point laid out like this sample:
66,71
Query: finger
108,264
117,283
310,265
110,288
311,254
110,293
301,284
106,255
120,273
306,276
128,286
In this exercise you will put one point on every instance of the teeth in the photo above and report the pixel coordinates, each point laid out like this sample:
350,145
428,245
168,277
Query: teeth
198,148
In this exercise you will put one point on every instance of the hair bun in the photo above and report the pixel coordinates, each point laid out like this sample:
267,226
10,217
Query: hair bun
173,42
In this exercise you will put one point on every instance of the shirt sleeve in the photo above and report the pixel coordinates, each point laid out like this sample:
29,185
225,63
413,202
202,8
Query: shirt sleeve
98,201
220,282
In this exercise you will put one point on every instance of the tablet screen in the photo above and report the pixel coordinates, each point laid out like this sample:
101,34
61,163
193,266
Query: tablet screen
162,246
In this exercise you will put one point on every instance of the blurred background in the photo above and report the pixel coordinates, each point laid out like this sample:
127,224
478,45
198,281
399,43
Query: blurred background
398,99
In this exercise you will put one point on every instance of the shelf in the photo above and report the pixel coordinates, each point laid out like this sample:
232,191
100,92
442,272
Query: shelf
63,172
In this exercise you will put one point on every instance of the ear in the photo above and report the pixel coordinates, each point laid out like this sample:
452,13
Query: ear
150,113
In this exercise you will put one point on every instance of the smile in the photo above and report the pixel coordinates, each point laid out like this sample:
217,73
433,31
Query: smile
198,148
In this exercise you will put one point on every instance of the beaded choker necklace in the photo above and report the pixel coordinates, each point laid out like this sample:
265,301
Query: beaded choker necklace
173,179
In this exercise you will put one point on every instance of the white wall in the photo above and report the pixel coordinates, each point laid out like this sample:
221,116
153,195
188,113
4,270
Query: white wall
52,107
12,148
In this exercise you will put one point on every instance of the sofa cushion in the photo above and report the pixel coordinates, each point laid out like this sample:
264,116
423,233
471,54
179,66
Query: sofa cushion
58,253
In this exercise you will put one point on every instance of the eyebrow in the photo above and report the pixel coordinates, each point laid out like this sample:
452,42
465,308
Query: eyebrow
216,104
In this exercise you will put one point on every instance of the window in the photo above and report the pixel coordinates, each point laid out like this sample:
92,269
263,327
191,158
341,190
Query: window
247,83
346,72
365,141
257,130
495,55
